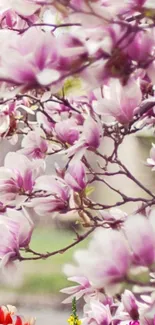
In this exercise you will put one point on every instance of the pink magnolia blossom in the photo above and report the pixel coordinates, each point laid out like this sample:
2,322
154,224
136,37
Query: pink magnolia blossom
46,124
35,145
111,259
119,102
130,304
84,288
10,18
74,52
97,313
8,115
75,176
24,8
110,263
99,11
67,131
54,198
90,138
113,214
32,59
141,46
142,3
15,232
18,176
147,316
139,229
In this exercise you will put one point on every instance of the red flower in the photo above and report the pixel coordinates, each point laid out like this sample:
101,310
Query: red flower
8,315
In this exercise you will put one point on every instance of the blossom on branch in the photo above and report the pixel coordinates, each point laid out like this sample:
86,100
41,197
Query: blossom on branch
15,232
17,177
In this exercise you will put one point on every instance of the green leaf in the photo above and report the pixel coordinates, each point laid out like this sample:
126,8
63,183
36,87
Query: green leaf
89,190
71,85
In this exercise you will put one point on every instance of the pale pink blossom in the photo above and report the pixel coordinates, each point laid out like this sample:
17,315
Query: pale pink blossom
99,11
113,214
119,102
54,196
83,288
10,18
147,315
111,259
97,313
142,3
140,230
67,131
18,176
35,145
45,123
75,176
90,138
141,46
110,263
74,52
8,119
130,304
32,59
24,8
15,232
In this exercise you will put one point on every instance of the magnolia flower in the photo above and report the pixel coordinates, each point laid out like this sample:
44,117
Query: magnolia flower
74,52
32,59
97,313
147,316
8,119
24,8
109,265
15,232
142,3
111,259
90,139
119,102
45,123
75,176
130,304
54,196
99,12
141,46
67,131
84,288
140,230
35,145
18,176
113,214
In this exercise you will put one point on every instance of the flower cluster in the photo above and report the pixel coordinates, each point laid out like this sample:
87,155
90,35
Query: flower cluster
75,74
120,259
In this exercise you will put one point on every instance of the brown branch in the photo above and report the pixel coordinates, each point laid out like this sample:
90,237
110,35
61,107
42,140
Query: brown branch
59,251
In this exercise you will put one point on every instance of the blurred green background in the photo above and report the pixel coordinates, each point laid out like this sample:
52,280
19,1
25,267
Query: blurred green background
43,277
